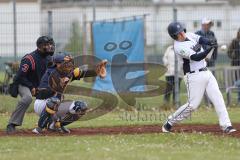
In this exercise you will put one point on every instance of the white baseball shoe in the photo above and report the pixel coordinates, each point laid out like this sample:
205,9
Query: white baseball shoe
37,130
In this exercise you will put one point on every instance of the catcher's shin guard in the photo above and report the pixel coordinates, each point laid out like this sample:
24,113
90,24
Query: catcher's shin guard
69,118
50,109
45,119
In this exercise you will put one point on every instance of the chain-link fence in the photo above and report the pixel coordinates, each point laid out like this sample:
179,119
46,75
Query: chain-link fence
69,22
71,27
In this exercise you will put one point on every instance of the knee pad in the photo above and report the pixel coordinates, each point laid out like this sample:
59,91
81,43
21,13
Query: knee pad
52,105
50,109
78,107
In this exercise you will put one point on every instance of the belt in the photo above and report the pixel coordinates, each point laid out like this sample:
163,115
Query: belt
200,70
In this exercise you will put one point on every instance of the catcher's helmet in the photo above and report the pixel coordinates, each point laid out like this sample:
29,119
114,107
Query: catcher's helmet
44,40
66,63
59,57
175,28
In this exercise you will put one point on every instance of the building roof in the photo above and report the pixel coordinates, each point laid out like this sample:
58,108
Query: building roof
18,1
47,4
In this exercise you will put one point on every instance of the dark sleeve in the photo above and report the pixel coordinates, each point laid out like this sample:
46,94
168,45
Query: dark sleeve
230,50
24,69
81,73
198,33
88,73
49,60
44,93
200,56
204,41
215,52
213,35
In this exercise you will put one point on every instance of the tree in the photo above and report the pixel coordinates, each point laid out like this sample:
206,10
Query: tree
74,45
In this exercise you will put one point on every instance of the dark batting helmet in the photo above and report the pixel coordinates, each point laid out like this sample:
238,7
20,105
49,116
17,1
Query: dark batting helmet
175,28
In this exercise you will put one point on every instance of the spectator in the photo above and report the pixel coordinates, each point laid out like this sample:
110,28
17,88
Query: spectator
32,68
234,55
207,33
169,62
234,50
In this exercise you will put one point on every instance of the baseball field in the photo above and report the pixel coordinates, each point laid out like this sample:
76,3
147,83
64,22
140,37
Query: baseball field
123,134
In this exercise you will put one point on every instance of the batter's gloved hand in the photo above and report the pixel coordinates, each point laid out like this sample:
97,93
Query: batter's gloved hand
197,48
213,43
101,69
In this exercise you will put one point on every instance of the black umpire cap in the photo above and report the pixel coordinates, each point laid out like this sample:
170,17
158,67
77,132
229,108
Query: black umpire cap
44,40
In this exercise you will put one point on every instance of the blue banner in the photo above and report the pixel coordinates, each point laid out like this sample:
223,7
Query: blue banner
118,39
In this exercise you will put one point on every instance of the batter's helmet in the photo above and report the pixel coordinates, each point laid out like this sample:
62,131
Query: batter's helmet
175,28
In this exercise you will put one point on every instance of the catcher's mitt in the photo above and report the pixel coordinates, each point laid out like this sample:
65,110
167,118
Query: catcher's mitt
101,69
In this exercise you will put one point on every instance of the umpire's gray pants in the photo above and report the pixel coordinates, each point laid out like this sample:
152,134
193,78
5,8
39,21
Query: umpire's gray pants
22,106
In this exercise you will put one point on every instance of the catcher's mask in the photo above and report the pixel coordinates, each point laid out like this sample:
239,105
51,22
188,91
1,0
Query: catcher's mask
46,45
64,63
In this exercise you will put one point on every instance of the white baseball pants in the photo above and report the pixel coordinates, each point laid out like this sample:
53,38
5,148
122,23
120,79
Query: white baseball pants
197,83
63,109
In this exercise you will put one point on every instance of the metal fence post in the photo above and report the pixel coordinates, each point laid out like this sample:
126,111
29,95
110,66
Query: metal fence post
84,34
176,78
94,10
50,24
14,30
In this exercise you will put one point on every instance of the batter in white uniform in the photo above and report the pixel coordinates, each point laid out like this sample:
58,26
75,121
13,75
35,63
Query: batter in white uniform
197,77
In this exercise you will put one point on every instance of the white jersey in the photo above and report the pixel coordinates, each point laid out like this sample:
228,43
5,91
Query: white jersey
185,50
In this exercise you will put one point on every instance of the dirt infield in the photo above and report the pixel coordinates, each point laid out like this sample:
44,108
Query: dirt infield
137,129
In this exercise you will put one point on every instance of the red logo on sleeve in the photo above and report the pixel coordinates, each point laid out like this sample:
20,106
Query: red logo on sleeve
25,67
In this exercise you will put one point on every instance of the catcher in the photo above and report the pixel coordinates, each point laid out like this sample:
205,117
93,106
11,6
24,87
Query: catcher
54,113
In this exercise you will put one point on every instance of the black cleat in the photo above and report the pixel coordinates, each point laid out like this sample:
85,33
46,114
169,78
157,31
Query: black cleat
229,130
166,128
11,128
65,130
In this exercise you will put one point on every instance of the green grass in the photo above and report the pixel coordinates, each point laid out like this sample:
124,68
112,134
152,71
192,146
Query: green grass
145,146
120,118
134,147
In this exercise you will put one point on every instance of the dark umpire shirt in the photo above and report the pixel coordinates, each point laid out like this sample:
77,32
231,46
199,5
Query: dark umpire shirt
209,35
31,70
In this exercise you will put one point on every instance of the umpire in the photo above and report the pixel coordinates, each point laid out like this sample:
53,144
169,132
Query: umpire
31,70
